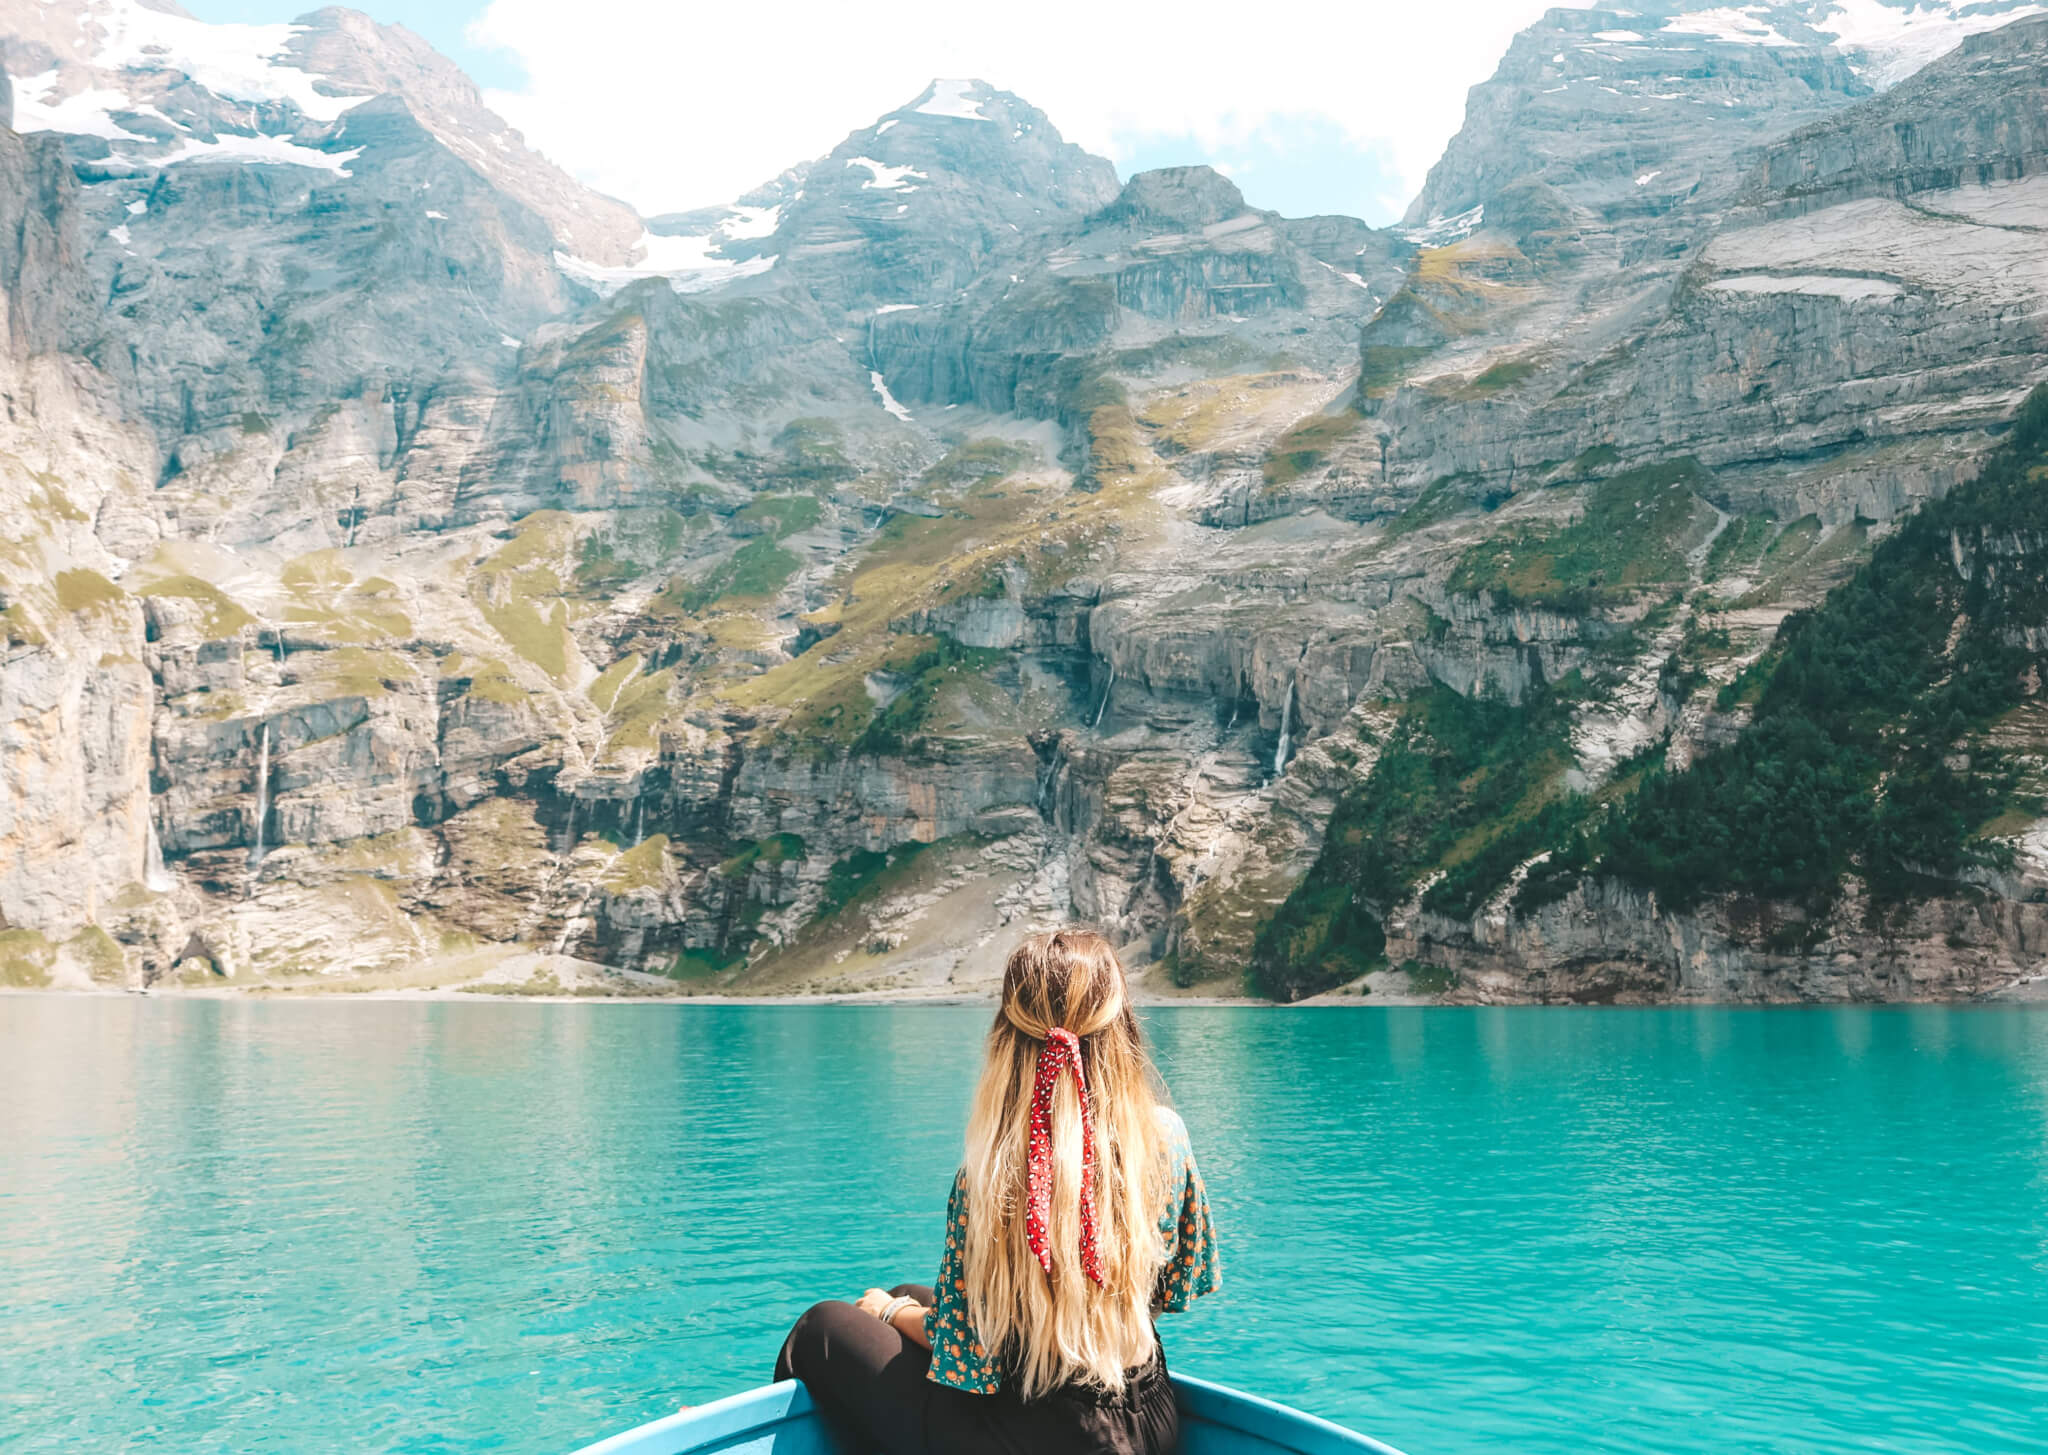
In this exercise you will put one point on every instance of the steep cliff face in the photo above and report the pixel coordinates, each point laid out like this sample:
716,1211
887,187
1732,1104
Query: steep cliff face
1617,443
1831,325
422,570
75,697
1872,835
1629,117
40,248
1972,119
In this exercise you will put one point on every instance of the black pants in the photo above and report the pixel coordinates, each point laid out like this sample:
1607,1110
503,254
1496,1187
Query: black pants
870,1382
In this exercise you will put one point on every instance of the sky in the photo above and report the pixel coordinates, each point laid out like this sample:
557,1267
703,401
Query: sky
1310,106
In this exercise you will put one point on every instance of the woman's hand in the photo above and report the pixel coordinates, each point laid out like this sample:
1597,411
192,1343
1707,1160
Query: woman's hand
909,1320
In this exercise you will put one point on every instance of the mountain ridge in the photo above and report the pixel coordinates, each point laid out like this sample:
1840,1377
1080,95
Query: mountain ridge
429,572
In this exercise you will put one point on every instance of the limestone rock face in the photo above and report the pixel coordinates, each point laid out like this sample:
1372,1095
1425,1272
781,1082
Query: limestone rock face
879,803
75,697
1628,116
40,245
1831,319
420,569
77,741
1609,944
1972,119
1177,268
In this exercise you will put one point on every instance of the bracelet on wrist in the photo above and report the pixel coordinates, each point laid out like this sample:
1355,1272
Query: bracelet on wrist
894,1307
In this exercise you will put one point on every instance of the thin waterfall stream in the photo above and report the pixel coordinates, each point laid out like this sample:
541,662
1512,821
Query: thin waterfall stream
156,875
1107,690
262,795
1286,720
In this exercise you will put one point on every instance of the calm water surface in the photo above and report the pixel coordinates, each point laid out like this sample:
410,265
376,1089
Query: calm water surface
230,1226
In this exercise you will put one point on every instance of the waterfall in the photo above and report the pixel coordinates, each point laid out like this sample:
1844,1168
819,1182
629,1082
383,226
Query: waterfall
1286,717
262,796
1045,777
639,820
574,919
569,834
156,878
1106,691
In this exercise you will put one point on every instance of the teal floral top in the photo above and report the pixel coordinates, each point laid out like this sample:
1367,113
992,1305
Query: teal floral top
1192,1269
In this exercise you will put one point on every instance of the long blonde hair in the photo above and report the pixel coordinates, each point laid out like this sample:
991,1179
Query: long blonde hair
1059,1328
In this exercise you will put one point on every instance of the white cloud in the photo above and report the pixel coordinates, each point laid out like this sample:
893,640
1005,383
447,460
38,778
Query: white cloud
673,104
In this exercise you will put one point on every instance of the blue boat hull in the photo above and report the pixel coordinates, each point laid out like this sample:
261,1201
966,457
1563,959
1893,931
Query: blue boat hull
780,1419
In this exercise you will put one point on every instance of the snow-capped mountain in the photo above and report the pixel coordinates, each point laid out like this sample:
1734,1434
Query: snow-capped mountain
141,86
1652,105
415,557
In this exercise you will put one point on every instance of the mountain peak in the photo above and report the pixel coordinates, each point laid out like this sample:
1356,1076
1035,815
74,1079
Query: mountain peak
140,85
961,100
910,208
989,113
1185,197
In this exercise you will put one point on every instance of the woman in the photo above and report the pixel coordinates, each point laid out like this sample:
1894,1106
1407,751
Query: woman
1077,1216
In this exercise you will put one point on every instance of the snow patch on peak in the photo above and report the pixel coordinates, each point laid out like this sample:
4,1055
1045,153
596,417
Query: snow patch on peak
886,178
90,112
273,150
240,62
1743,27
1898,40
1347,277
888,400
955,99
688,263
1441,231
750,222
126,52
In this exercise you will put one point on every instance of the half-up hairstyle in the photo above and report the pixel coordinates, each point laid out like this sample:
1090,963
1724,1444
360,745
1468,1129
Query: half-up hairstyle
1061,1326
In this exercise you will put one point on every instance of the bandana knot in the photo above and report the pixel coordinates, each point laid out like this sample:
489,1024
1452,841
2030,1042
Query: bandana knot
1061,1052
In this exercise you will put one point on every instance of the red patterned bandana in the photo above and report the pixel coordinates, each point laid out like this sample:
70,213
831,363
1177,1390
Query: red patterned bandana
1061,1051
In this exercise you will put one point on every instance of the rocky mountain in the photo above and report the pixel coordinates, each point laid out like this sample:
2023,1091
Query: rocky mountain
422,570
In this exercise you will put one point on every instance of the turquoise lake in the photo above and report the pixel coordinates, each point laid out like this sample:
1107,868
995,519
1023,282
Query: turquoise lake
314,1226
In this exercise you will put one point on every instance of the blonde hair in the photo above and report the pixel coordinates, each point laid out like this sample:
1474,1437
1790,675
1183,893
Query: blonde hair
1049,1330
